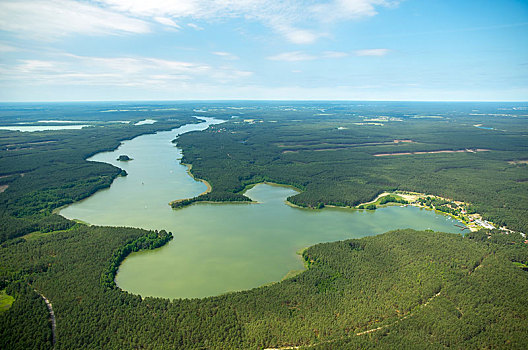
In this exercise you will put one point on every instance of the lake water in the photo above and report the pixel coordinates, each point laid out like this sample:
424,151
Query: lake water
484,127
219,248
33,128
145,121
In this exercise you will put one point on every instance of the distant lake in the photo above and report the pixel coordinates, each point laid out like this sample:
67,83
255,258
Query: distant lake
219,248
484,127
145,121
33,128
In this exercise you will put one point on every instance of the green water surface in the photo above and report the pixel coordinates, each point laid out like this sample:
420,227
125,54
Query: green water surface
219,248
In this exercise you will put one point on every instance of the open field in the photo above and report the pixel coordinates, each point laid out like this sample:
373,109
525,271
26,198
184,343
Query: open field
5,301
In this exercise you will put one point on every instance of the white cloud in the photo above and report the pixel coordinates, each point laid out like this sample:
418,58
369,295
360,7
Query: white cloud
167,21
372,52
293,56
49,19
297,36
195,26
225,55
299,21
339,10
226,75
334,54
68,69
7,48
31,66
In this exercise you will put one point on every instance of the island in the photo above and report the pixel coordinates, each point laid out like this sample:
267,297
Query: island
123,158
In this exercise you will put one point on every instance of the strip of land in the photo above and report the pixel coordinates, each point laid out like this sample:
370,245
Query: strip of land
467,150
326,146
52,317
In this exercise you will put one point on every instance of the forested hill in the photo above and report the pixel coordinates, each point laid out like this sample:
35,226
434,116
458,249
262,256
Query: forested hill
343,156
428,289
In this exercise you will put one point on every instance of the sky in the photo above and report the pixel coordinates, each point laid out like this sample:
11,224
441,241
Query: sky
390,50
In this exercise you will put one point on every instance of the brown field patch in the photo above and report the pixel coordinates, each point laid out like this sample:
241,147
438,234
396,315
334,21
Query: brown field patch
432,152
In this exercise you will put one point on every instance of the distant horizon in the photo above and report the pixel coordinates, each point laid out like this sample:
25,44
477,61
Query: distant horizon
265,100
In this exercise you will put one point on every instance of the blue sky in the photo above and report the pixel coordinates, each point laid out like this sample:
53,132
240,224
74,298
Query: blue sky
63,50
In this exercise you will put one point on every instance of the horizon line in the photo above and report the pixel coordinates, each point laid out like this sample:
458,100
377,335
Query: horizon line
263,100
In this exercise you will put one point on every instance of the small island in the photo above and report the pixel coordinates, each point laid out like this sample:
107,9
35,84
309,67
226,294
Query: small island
124,158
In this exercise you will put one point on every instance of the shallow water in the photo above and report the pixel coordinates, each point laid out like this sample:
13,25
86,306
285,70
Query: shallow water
219,247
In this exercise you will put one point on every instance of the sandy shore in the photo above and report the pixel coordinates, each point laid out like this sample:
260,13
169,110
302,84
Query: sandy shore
208,189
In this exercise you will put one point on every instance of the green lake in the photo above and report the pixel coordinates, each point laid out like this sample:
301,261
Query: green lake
219,248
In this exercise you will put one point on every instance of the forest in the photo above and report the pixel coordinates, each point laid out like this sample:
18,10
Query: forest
430,289
425,288
336,159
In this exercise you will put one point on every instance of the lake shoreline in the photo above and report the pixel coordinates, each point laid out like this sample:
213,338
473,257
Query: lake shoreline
262,225
207,184
410,196
473,222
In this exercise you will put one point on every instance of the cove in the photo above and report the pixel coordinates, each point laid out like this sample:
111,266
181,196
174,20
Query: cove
225,247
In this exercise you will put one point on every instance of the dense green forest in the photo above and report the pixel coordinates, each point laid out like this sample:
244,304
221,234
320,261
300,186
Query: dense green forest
396,290
343,158
429,289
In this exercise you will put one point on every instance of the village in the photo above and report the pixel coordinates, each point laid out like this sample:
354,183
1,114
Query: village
462,211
